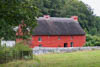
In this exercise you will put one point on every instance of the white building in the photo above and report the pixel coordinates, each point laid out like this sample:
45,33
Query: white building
8,43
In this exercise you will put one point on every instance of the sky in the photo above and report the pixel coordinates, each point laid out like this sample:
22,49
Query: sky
94,4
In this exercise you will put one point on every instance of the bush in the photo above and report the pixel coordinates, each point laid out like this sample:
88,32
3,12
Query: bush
23,50
92,40
5,54
19,51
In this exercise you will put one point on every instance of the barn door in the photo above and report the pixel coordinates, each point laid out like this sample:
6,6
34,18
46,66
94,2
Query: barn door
65,45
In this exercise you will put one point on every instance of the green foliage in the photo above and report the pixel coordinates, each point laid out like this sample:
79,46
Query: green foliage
92,40
6,54
68,8
22,63
24,51
12,12
27,57
74,59
21,47
19,51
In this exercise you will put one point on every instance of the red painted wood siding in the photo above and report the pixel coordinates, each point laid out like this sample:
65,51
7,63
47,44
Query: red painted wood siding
52,41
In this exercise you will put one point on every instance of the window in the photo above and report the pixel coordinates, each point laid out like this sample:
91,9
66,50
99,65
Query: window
65,45
58,37
40,39
71,44
40,45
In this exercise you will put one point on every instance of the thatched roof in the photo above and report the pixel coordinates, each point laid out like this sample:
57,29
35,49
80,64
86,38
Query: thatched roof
58,26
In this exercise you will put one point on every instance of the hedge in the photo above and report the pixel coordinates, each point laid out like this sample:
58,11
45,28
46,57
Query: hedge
19,51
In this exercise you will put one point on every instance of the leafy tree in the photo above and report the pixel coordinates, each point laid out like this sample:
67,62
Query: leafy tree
12,12
68,8
92,40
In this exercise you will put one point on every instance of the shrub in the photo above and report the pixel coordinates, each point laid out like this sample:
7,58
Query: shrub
92,40
23,50
5,54
19,51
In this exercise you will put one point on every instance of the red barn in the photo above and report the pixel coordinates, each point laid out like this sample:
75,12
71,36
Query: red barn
58,32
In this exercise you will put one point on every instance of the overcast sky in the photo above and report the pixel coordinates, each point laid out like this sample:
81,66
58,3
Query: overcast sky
95,4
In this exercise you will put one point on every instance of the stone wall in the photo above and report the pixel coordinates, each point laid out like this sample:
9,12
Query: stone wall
45,50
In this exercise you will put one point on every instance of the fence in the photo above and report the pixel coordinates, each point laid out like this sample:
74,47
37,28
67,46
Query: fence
45,50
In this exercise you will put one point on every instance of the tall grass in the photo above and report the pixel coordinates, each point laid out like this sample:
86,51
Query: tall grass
75,59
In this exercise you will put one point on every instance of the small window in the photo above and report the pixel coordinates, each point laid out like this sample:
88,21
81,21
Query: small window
40,45
71,44
40,39
65,45
58,37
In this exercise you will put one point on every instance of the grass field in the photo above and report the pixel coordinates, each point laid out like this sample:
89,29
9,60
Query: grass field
75,59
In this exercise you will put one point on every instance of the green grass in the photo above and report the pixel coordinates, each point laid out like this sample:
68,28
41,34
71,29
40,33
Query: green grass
75,59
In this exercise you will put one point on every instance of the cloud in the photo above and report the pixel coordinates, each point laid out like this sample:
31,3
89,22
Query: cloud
94,4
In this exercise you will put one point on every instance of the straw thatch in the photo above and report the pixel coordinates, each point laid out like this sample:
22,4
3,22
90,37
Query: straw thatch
58,26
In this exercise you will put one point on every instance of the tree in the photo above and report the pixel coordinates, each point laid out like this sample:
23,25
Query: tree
92,40
67,8
12,12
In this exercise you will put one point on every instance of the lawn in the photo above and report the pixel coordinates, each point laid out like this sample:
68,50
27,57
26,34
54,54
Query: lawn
75,59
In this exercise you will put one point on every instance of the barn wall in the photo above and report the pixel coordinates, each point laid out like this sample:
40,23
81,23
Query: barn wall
52,41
